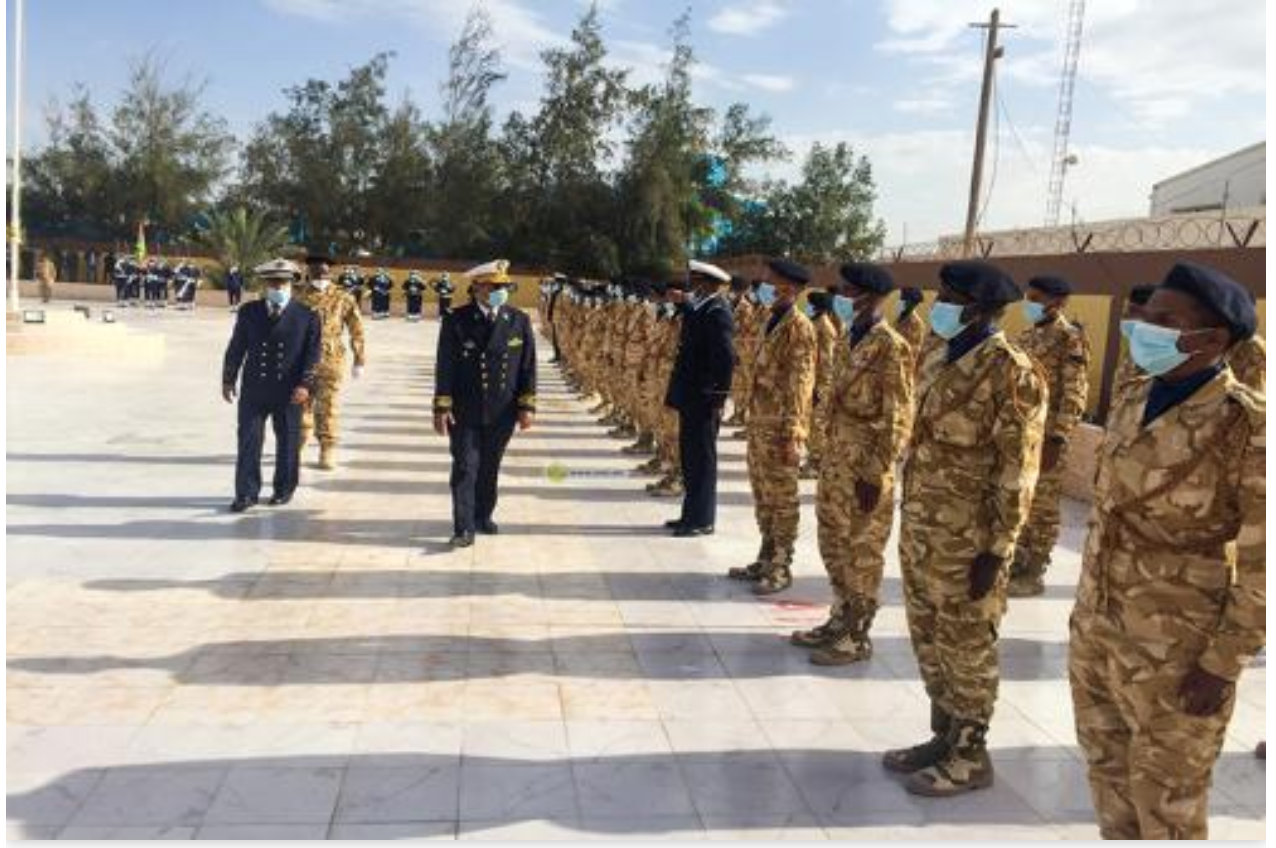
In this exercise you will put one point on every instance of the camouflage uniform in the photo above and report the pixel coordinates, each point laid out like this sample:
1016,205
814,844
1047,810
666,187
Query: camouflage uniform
1173,577
914,331
868,410
1248,361
744,340
967,485
668,447
338,315
1060,349
827,331
780,390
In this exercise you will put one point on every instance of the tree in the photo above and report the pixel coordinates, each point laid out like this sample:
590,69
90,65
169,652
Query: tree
662,211
69,184
465,184
554,162
242,238
169,152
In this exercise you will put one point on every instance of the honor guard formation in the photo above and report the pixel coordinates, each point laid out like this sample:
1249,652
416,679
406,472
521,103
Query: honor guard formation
965,432
944,420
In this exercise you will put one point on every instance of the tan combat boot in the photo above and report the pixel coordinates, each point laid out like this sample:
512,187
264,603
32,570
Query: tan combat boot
776,576
909,760
328,457
965,768
823,634
753,570
1027,578
852,644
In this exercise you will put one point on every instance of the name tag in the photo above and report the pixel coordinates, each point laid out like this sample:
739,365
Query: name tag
469,344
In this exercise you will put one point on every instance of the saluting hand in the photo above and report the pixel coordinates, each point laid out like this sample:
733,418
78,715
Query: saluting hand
867,495
443,423
1203,694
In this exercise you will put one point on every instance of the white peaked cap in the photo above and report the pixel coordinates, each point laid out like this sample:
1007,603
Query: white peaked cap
695,266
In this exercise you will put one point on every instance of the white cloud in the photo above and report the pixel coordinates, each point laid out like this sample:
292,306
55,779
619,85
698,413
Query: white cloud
924,106
519,29
748,18
774,83
1157,58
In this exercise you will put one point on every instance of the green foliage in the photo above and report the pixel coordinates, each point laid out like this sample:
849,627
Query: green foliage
239,237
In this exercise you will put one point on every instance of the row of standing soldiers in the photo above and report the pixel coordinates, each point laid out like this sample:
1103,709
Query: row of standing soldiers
150,283
380,287
1170,607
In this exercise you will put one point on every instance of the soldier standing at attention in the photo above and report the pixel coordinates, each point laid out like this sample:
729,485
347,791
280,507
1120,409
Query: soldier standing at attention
868,411
1248,361
414,293
485,384
340,317
968,480
1172,600
444,289
827,330
1060,349
273,354
780,390
908,322
382,285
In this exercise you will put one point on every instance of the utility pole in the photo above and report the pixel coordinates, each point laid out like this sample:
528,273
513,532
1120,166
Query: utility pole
991,54
15,226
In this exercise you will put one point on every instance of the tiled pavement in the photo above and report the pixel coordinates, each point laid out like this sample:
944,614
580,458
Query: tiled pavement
331,670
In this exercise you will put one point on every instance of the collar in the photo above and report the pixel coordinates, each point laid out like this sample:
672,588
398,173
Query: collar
489,312
968,341
858,333
700,304
1164,396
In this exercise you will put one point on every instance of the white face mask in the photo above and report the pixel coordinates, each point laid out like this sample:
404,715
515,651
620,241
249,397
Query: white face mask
322,285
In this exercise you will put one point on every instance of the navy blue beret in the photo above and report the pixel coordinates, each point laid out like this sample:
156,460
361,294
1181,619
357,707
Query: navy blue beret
1217,292
867,276
1051,285
982,282
911,294
1140,295
790,271
819,299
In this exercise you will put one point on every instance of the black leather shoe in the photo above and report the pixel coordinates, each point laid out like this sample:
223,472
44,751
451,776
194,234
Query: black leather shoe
242,504
673,524
461,540
280,500
685,532
488,528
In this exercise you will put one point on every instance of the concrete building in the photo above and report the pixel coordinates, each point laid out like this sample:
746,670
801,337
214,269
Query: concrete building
1234,181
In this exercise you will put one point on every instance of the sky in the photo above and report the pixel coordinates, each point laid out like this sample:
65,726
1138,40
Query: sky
1163,85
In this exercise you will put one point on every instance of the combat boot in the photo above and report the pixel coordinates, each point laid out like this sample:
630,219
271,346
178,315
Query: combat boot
965,768
909,760
777,576
853,644
669,487
1027,580
651,466
645,445
753,570
822,634
328,457
810,470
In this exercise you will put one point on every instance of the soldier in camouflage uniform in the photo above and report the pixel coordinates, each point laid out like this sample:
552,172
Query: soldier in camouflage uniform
827,330
637,359
1126,370
667,437
743,306
339,315
909,322
1172,600
780,391
1060,349
1248,361
968,480
868,412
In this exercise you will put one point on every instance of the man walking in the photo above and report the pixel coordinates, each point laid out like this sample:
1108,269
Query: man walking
273,354
698,389
339,316
485,384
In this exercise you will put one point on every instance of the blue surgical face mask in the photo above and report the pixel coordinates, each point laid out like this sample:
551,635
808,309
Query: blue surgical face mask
279,297
1127,327
497,298
844,308
1155,349
765,294
1033,311
809,310
945,319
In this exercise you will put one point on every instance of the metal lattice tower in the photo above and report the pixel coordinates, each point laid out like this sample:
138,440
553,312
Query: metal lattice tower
1063,119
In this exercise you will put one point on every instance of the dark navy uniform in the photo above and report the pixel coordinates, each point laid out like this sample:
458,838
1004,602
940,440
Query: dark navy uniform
414,291
271,357
485,376
381,286
444,289
698,388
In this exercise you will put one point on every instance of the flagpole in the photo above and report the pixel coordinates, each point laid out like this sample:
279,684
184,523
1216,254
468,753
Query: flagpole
15,228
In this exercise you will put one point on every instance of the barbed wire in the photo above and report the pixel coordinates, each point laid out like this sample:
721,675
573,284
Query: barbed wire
1180,232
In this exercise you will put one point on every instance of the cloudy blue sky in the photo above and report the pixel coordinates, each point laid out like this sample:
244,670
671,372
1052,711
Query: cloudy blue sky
1163,84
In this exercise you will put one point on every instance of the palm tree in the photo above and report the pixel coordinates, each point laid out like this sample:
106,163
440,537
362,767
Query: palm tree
243,238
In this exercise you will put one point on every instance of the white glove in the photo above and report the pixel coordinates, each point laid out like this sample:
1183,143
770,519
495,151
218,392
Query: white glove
357,371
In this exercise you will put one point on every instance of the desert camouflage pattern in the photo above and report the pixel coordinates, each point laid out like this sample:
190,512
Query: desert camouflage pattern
338,316
745,317
828,331
914,330
1060,349
1248,360
967,487
780,390
1173,576
869,412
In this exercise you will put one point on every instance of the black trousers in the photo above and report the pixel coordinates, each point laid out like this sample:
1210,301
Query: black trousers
476,464
286,422
414,304
698,444
445,306
380,302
